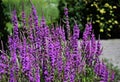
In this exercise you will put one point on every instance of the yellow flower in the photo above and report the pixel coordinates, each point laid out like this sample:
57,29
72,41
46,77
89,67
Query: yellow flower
101,30
111,11
102,18
114,7
106,5
108,29
116,22
110,26
109,21
91,4
98,16
102,11
110,7
101,24
98,21
112,14
88,18
93,22
95,4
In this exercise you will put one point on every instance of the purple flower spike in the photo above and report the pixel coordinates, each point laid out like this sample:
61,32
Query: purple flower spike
99,49
76,32
66,11
15,23
23,20
67,22
102,71
43,23
3,64
35,18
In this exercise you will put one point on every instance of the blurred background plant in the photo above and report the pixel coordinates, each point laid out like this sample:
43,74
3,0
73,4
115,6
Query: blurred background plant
104,15
3,20
46,7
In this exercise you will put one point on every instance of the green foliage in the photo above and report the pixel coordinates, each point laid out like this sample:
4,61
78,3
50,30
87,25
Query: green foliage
46,7
89,76
3,20
103,13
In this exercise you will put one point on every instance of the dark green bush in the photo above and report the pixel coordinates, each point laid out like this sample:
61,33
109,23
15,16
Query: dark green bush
3,20
103,13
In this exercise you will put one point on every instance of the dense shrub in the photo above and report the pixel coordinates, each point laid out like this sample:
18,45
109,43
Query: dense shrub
41,53
103,13
3,20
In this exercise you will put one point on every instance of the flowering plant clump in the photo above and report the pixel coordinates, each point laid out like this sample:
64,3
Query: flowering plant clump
39,53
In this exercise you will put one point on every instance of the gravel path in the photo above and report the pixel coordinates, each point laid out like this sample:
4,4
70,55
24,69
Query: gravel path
111,51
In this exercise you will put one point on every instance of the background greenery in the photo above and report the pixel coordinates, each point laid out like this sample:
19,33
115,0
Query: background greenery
46,7
104,15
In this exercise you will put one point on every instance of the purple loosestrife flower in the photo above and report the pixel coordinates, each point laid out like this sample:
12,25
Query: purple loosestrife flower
58,56
31,30
45,56
52,58
86,35
87,32
61,33
89,54
58,50
23,20
42,23
25,57
99,50
15,29
76,31
67,22
13,59
3,64
67,64
67,70
30,64
93,47
12,76
30,21
86,44
35,18
93,44
67,52
37,73
36,25
76,56
101,71
14,40
15,24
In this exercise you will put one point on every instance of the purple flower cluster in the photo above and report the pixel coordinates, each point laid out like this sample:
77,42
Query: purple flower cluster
102,71
42,54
